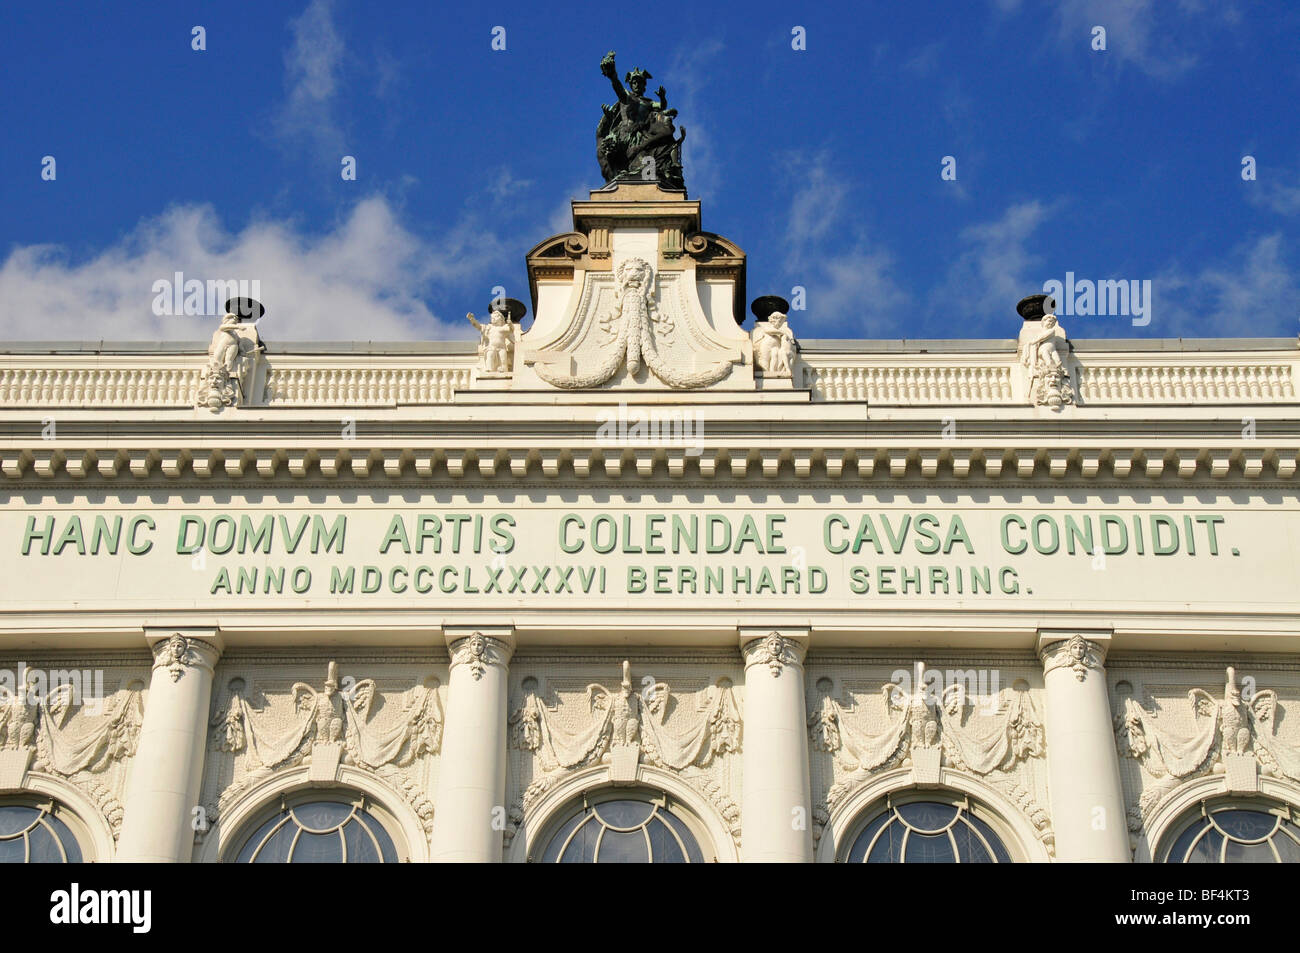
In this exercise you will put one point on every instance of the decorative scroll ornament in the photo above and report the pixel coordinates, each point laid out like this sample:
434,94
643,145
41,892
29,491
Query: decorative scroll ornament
629,325
1007,731
1232,736
653,724
1077,653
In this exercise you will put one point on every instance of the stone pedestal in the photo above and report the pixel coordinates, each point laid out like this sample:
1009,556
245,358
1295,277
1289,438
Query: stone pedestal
163,788
1088,816
776,811
470,811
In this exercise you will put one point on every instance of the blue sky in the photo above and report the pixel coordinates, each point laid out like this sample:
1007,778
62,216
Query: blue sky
823,164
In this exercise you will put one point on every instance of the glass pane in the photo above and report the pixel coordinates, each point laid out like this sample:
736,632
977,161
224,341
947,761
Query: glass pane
1247,825
889,847
624,813
1287,849
322,815
857,853
1249,854
276,849
70,845
15,818
13,850
1207,849
929,849
582,849
552,853
619,848
969,847
318,849
663,845
246,852
692,845
1178,853
361,848
44,847
999,849
927,815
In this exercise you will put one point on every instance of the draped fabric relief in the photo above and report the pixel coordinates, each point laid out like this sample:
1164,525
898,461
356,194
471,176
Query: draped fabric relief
84,736
688,725
263,723
865,724
1170,733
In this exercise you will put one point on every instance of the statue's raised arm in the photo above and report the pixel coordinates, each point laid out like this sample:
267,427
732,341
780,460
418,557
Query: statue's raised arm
608,68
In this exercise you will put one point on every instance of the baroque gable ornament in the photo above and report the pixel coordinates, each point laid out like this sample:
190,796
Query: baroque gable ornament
632,318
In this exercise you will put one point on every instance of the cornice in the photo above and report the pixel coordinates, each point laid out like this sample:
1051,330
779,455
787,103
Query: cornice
831,457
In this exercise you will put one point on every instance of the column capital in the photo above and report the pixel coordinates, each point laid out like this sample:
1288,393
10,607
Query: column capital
480,646
777,647
180,648
1080,650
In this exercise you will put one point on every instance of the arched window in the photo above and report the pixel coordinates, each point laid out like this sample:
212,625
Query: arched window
34,831
1237,832
933,830
320,828
622,826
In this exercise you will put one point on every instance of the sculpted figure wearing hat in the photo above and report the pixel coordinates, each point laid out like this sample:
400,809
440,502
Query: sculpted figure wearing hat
637,129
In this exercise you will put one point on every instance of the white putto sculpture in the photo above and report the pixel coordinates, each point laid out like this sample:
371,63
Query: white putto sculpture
237,373
774,346
774,343
496,349
1044,350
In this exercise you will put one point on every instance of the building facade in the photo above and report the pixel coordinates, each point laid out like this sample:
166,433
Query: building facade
652,580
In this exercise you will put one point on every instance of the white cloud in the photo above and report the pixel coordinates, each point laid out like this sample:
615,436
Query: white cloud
692,90
363,280
995,269
1233,297
311,67
1158,38
844,272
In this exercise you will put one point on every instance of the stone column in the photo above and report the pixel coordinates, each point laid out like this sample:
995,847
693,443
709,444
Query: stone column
1087,800
469,811
167,772
776,810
